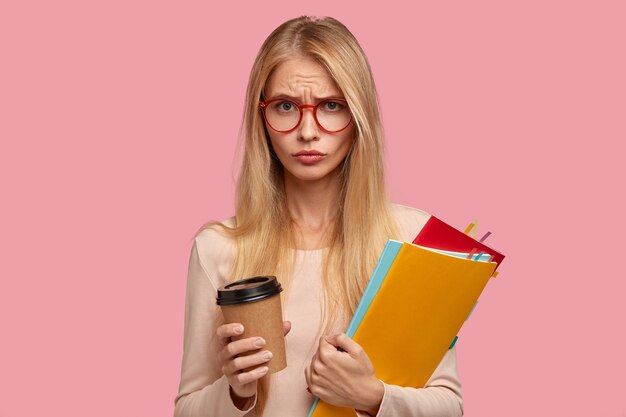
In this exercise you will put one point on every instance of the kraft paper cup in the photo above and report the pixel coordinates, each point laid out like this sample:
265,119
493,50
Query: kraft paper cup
255,303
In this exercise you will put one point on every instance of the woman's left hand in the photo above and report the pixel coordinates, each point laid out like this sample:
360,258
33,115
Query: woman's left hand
344,378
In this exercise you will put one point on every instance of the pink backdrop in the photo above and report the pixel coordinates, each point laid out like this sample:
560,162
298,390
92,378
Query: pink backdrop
118,123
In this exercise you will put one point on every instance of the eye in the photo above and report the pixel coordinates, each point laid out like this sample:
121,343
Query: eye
285,106
332,106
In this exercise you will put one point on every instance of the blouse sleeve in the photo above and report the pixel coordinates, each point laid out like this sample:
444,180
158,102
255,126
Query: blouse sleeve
204,390
441,397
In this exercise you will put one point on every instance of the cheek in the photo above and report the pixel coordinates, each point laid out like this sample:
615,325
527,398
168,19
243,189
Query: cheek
274,144
278,149
345,145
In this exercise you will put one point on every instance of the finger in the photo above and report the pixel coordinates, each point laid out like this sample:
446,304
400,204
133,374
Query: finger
248,377
317,368
342,341
229,330
318,391
242,346
318,372
247,361
307,376
314,360
286,327
326,351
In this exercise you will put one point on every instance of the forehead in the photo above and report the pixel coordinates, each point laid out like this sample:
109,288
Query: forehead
300,75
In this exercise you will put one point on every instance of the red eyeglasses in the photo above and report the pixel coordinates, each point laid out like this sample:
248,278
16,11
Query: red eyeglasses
283,116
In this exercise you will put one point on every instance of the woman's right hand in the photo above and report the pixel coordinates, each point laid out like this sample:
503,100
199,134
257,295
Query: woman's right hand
243,384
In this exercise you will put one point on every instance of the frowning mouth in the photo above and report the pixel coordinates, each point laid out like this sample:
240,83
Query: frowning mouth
309,157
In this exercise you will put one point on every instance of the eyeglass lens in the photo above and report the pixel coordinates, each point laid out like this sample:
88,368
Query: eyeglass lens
283,115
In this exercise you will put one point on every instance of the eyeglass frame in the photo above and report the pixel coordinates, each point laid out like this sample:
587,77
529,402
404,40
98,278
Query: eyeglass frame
263,105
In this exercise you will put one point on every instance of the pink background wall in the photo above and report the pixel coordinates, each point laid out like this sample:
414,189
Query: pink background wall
118,123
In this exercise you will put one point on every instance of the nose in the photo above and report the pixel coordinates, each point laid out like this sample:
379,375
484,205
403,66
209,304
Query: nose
308,129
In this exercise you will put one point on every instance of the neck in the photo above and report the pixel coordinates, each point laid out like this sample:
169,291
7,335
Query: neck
313,206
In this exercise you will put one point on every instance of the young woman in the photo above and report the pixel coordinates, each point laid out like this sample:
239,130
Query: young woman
311,209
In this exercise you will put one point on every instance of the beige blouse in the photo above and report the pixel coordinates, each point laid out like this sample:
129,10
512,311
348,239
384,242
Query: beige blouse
204,390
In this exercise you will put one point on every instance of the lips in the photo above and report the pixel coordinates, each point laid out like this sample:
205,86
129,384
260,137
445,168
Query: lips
311,152
309,157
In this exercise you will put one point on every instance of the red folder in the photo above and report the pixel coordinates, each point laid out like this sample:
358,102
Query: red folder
437,234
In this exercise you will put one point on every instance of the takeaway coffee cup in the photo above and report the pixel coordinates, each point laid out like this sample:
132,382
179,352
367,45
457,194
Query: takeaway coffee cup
255,303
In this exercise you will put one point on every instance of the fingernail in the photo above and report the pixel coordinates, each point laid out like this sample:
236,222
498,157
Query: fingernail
267,355
239,329
263,370
259,342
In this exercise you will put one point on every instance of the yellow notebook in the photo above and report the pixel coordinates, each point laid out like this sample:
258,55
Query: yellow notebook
416,314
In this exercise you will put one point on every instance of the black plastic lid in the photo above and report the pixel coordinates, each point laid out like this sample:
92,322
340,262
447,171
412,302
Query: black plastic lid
248,290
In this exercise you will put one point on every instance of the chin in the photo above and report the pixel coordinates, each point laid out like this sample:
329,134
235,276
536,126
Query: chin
309,174
309,177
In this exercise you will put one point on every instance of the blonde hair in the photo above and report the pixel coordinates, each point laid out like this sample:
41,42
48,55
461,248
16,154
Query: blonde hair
264,231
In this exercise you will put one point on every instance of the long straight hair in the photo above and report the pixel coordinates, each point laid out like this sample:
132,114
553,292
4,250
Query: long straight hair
264,230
